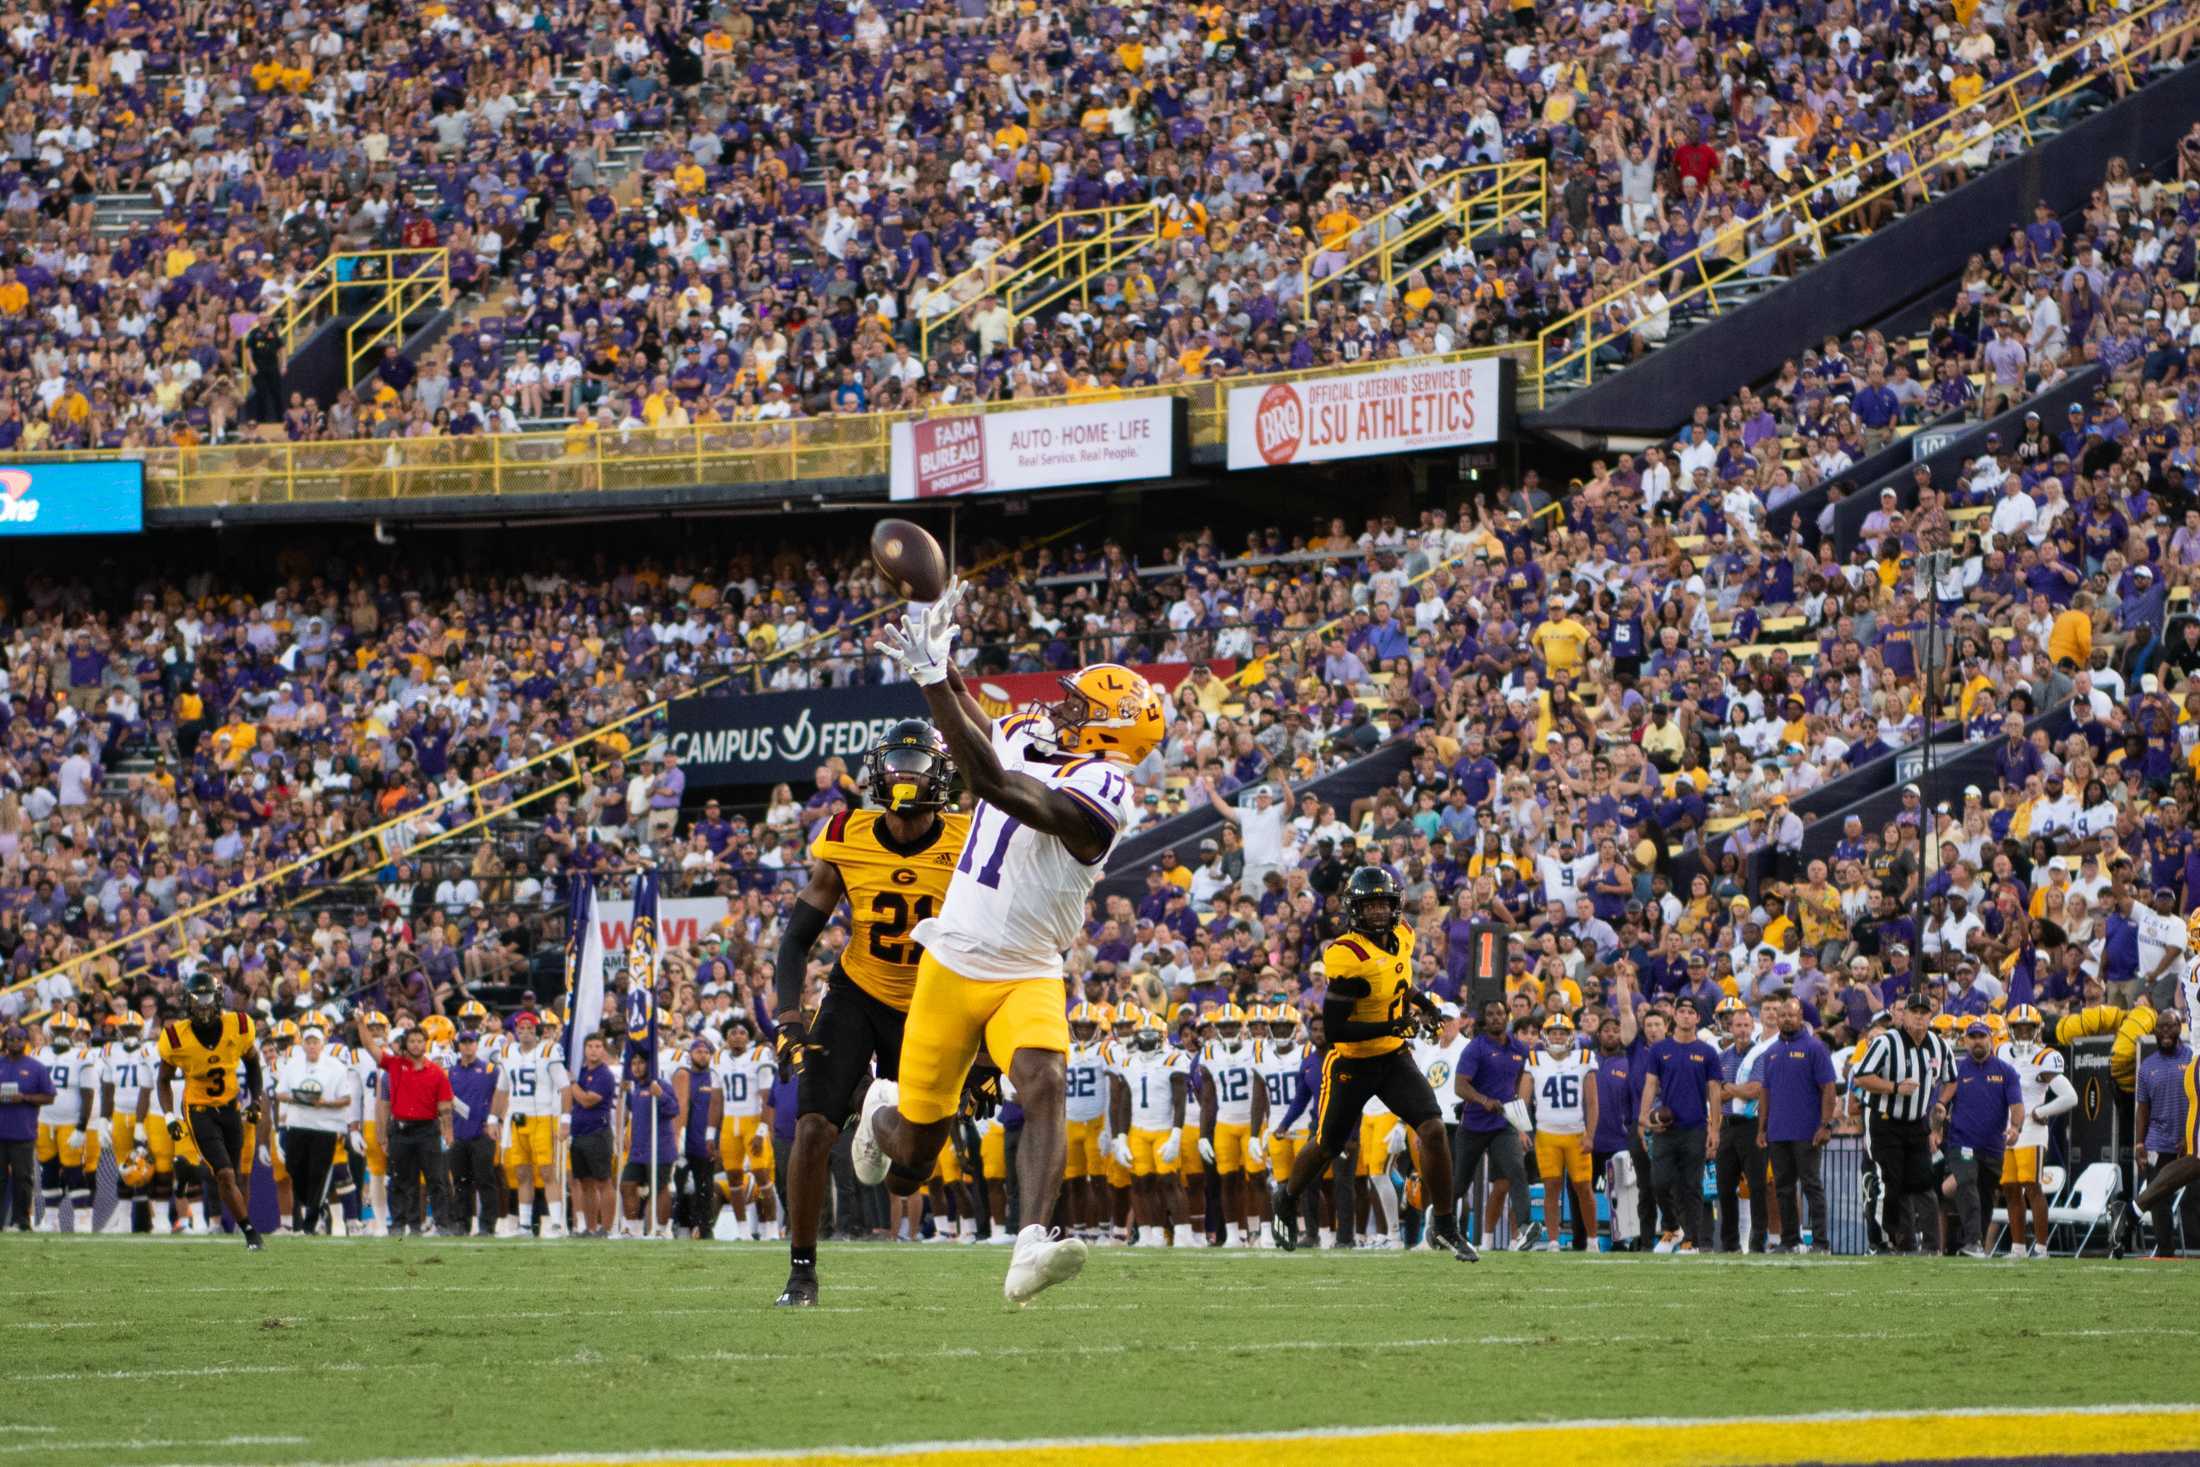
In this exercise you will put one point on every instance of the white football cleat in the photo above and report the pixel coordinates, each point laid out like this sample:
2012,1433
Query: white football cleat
864,1154
1041,1261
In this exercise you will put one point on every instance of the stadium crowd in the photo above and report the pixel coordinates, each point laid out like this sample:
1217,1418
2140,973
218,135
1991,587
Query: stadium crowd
814,189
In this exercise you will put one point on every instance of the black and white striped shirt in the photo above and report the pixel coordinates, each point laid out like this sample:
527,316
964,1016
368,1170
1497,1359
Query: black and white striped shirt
1892,1056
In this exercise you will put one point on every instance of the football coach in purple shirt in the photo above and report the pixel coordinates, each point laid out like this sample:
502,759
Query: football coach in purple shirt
1794,1121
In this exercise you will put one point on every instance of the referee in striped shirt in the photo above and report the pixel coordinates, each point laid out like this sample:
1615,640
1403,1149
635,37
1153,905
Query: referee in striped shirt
1906,1076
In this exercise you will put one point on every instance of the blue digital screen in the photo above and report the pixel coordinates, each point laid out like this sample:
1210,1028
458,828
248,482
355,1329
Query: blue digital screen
106,497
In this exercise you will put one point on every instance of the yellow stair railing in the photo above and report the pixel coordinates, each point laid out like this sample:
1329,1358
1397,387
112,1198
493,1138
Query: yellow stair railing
1048,262
1566,350
374,840
1483,198
377,288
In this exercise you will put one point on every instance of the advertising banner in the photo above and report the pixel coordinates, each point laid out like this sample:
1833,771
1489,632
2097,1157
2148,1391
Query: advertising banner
97,498
1401,409
1098,441
763,738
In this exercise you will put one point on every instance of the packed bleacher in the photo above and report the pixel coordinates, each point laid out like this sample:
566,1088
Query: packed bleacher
678,215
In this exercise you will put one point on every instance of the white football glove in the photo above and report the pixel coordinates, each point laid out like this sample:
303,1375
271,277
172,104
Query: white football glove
1206,1151
916,649
939,617
1257,1148
1398,1140
1170,1149
1120,1149
1516,1111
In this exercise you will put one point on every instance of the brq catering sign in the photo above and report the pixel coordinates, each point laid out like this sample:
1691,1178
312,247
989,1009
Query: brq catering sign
1095,441
1399,409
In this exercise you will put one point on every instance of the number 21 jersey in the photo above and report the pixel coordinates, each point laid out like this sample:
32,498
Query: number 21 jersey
1018,897
891,888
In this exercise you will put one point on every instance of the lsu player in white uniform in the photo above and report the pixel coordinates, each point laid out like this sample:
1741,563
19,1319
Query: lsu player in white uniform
1054,793
65,1138
531,1099
1232,1111
747,1071
1559,1082
1085,1110
126,1089
364,1142
2047,1093
1151,1092
1280,1064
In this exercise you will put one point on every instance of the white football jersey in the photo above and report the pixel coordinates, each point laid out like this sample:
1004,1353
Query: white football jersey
1440,1066
367,1096
2188,986
1234,1073
1018,897
131,1072
1280,1073
1148,1075
1558,1086
1086,1095
746,1078
533,1082
2037,1072
71,1073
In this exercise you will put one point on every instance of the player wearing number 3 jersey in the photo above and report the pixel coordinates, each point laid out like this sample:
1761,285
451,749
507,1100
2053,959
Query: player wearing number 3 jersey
892,865
1054,791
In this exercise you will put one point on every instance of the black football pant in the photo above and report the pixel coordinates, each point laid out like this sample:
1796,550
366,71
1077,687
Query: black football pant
308,1154
18,1169
1978,1188
475,1195
1676,1172
416,1174
1648,1228
2168,1177
1902,1153
1739,1161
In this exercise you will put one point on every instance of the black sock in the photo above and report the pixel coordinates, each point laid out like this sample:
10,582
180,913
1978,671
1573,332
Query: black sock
803,1258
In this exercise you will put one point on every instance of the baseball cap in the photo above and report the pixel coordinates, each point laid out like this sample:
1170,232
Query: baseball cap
1976,1028
1918,1003
469,1036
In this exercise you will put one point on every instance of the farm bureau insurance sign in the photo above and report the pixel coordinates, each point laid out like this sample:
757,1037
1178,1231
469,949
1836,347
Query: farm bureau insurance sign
1093,442
1399,409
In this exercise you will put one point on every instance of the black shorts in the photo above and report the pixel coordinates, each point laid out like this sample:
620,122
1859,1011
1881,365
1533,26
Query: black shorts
218,1131
636,1174
1348,1084
852,1029
592,1157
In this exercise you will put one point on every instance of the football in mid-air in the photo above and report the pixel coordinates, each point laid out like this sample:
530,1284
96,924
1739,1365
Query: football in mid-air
910,559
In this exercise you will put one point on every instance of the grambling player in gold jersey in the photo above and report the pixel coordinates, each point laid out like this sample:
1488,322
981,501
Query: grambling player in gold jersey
892,864
1369,1011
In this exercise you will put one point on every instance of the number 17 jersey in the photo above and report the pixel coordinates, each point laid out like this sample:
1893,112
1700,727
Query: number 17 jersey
1018,897
891,888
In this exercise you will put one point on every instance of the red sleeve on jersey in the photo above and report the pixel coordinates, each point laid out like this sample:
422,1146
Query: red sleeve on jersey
838,830
1354,948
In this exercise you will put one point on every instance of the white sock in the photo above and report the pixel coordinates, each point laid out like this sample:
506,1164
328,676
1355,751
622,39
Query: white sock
1149,1237
1386,1198
164,1214
1183,1235
527,1216
967,1228
1232,1236
1267,1232
1327,1237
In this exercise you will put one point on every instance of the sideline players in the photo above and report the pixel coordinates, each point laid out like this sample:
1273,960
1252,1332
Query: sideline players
531,1099
68,1148
1366,1017
205,1047
1053,801
892,865
1232,1111
1085,1108
1559,1083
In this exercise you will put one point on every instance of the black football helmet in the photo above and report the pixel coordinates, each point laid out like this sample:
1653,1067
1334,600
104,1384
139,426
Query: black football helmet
202,998
1371,887
908,771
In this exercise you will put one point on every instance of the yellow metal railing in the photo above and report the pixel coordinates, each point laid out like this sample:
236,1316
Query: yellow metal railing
585,458
1052,260
473,797
1481,199
355,283
408,287
1566,350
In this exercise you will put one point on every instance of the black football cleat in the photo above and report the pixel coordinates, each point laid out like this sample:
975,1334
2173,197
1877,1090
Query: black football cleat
1286,1210
1445,1230
801,1291
251,1241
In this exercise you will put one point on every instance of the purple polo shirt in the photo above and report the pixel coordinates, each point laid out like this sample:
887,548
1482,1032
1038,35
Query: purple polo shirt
1978,1117
596,1080
1494,1070
1793,1072
1684,1073
2162,1086
19,1118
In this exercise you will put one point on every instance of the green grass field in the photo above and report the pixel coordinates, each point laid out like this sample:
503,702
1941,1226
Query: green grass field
134,1351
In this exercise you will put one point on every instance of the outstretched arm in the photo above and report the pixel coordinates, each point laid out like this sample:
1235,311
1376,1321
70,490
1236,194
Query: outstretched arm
813,906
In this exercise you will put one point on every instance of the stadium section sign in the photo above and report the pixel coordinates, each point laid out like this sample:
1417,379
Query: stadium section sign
106,497
1099,441
768,737
1401,409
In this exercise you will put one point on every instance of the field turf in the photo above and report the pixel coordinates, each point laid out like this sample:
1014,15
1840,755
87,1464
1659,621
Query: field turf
134,1351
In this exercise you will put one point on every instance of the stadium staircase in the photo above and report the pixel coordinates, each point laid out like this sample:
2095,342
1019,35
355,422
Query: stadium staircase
1735,320
1060,256
1482,201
